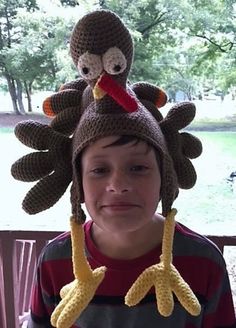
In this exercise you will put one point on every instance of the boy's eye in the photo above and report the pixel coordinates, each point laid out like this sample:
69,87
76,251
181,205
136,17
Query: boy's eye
99,170
139,168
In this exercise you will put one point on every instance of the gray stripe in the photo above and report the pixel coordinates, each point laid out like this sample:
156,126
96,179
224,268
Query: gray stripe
58,250
212,304
32,324
99,316
185,245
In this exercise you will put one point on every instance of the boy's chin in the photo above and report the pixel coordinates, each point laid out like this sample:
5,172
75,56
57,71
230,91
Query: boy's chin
121,224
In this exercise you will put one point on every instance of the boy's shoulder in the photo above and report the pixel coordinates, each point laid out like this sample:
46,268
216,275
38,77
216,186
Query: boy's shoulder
190,243
60,246
57,248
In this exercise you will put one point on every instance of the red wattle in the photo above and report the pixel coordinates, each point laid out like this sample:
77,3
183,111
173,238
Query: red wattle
119,94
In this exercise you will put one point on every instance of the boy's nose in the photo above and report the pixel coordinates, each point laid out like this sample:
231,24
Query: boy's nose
118,183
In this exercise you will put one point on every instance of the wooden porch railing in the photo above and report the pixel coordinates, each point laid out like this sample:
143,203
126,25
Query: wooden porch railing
19,252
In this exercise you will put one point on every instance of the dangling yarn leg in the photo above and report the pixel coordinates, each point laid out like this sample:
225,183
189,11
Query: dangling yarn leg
165,278
77,294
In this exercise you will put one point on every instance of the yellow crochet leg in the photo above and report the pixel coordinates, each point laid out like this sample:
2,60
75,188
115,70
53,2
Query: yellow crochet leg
165,278
77,294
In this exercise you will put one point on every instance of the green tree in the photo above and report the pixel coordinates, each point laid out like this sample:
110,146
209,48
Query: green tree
9,36
32,57
213,27
180,42
70,3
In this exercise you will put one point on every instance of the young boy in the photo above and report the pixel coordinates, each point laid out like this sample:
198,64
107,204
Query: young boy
128,266
122,187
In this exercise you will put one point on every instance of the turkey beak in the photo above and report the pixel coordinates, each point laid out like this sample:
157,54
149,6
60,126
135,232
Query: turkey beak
98,92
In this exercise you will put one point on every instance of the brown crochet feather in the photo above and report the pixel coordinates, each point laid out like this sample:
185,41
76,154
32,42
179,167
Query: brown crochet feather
51,165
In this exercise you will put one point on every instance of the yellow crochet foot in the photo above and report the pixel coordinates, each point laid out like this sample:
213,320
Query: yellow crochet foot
76,295
165,278
75,299
166,282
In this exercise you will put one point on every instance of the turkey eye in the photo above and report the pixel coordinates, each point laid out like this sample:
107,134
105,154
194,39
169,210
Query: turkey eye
117,68
90,66
114,61
85,70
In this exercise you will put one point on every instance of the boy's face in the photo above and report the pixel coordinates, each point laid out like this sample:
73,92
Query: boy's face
121,184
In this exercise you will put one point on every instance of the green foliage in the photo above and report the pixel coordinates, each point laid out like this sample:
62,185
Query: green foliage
71,3
12,6
36,39
179,44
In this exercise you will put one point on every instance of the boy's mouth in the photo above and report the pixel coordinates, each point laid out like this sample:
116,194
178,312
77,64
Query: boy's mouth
119,206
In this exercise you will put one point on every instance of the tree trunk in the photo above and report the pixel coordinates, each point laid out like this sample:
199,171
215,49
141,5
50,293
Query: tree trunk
12,91
19,96
28,95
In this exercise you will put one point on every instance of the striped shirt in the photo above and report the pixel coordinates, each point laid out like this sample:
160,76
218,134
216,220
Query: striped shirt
198,260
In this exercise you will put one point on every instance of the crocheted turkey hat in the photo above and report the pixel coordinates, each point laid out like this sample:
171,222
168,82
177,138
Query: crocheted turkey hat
99,104
103,57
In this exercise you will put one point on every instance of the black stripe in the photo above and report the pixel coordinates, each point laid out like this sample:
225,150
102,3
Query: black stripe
45,321
119,300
